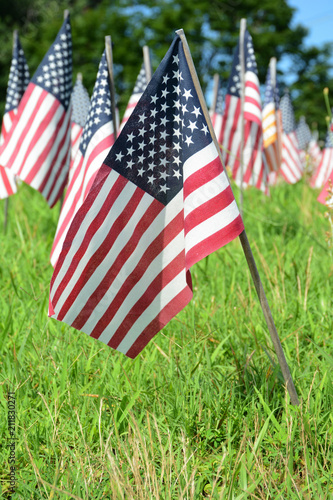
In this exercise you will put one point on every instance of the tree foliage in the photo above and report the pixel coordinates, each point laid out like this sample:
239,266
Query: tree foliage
211,27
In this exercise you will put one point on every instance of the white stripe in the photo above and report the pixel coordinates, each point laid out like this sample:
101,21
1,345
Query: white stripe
205,193
199,160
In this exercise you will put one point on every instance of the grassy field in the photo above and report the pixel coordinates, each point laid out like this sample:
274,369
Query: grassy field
202,412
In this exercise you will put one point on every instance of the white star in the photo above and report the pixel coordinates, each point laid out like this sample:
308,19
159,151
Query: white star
141,145
153,98
164,93
176,146
177,104
165,78
119,156
164,175
177,160
151,179
175,60
104,82
153,126
163,148
196,111
177,118
177,89
141,171
163,134
153,113
164,189
204,129
151,153
177,132
142,118
188,140
152,139
130,150
176,173
184,108
141,158
130,164
187,94
141,132
164,106
96,120
164,121
192,126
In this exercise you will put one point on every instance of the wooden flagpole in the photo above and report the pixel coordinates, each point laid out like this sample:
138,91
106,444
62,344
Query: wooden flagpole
109,61
245,243
242,120
147,62
215,92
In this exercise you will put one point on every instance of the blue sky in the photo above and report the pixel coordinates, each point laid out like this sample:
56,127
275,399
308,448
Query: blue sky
317,16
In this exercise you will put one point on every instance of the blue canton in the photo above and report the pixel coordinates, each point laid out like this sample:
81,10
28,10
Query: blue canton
141,81
234,83
288,118
165,129
80,103
303,133
54,74
100,109
19,77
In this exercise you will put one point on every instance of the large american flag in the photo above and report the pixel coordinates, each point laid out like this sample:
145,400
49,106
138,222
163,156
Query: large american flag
37,147
270,124
139,88
325,166
217,115
17,83
254,168
160,202
291,167
96,139
80,109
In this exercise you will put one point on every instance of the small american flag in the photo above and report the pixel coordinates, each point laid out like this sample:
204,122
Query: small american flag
291,167
80,109
139,88
314,150
325,166
160,202
17,83
270,124
37,147
96,139
254,169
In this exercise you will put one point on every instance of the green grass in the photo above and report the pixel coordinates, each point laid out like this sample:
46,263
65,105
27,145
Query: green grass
202,412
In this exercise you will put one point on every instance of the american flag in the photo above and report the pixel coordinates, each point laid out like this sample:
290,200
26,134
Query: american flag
270,124
325,166
217,116
254,169
160,202
96,140
139,88
37,147
291,167
17,83
80,109
303,133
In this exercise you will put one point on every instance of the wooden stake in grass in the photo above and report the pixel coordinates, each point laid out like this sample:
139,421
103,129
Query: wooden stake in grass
242,121
109,61
147,63
245,243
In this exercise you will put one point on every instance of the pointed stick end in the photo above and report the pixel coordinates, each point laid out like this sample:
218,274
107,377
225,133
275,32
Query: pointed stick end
66,13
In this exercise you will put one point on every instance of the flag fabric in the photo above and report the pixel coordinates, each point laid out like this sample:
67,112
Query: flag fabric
160,202
325,166
254,171
326,195
303,134
270,126
17,82
216,116
291,167
80,109
37,147
314,151
96,140
139,88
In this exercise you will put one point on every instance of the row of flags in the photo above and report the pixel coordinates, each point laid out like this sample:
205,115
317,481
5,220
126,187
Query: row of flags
142,206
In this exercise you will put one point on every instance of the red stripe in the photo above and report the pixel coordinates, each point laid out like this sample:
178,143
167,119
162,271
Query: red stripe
5,180
165,315
214,242
152,251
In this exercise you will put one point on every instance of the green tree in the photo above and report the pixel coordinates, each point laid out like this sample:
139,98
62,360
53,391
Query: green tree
211,27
